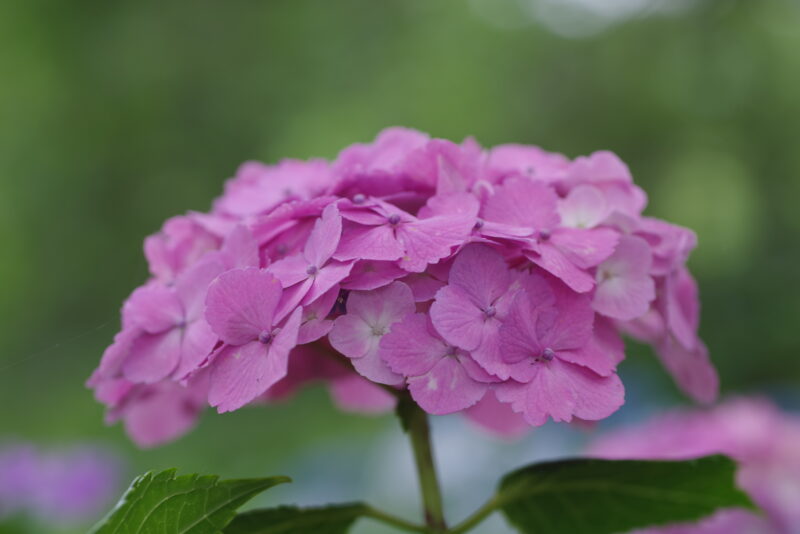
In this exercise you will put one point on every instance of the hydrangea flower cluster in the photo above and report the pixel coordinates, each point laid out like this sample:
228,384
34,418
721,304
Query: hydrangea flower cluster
751,430
57,488
491,282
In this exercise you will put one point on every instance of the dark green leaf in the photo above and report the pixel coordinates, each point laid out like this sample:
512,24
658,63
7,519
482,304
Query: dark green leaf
161,503
606,496
335,519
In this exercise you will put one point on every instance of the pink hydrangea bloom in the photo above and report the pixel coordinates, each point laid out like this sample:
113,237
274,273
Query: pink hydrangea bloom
753,431
492,282
241,308
369,317
557,366
441,378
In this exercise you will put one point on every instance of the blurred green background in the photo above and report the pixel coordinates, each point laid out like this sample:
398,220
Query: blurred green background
117,115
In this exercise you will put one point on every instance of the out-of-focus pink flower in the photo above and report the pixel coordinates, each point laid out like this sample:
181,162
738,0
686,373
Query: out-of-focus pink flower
57,488
751,430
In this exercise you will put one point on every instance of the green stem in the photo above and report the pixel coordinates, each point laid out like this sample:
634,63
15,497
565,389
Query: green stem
415,422
389,519
476,518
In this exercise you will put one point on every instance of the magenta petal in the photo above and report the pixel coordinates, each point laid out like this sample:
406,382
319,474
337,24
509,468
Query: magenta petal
383,306
162,415
354,393
584,207
241,304
371,274
497,417
604,351
239,375
154,308
327,277
562,390
192,286
523,202
585,248
153,356
429,240
624,298
446,388
553,261
368,243
290,270
481,272
692,370
423,286
410,348
458,319
324,237
352,336
373,367
572,327
198,342
314,323
624,285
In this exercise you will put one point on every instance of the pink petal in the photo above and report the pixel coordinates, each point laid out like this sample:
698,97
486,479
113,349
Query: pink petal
458,319
162,415
552,260
497,417
560,391
584,207
242,373
423,286
585,248
327,277
153,356
368,243
382,307
446,388
523,202
373,367
192,286
154,308
624,298
354,393
682,307
371,274
324,237
314,323
429,240
604,351
411,349
198,342
572,327
241,304
692,370
290,270
352,336
481,272
240,249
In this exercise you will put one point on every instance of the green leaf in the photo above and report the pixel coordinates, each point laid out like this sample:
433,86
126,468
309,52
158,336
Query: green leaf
334,519
161,503
606,496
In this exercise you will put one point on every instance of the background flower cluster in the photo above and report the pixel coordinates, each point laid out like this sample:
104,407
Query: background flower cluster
494,282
